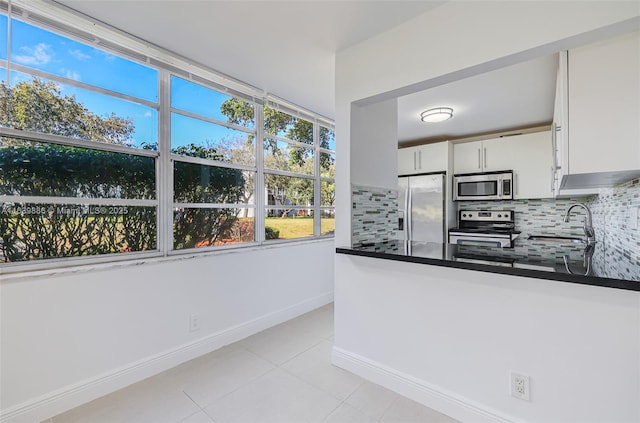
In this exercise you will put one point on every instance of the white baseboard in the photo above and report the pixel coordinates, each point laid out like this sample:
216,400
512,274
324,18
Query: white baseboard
68,397
432,396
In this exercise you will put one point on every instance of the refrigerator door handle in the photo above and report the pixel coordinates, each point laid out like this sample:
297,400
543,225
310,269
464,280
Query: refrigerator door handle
408,212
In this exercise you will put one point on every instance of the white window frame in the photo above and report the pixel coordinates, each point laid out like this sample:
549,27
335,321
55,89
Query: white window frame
70,24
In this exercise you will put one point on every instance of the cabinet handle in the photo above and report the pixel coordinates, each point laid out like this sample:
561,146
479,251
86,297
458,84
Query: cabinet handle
485,157
414,161
479,165
420,159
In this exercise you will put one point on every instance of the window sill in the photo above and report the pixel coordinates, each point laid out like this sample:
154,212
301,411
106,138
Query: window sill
46,270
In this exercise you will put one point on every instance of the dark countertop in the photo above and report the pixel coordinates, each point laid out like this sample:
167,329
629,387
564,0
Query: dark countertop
534,259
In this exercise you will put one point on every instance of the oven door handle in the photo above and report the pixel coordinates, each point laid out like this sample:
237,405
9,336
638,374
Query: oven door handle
480,243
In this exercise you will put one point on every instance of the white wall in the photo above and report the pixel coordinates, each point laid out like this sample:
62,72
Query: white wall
383,320
374,134
449,338
70,338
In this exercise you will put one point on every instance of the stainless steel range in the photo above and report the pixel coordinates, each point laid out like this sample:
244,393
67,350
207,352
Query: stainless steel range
495,228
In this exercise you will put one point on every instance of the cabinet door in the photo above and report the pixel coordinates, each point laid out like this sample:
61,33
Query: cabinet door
499,153
604,105
559,128
530,158
467,157
533,166
432,157
407,161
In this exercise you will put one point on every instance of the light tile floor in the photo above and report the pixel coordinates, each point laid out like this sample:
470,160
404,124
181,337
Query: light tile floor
283,374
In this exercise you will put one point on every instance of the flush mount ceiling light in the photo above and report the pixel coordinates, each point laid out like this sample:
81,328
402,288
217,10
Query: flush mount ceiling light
438,114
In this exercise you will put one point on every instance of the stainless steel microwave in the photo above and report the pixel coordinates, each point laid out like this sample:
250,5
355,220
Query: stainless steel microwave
483,186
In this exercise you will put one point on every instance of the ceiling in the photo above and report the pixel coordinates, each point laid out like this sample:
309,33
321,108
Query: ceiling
513,97
286,48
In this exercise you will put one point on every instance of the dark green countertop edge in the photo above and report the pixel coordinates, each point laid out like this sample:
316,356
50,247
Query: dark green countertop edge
539,274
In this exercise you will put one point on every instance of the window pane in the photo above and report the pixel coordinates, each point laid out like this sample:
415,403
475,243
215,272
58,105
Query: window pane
197,138
195,98
40,49
287,126
39,105
41,231
327,165
277,122
279,155
30,168
194,228
327,138
327,193
288,224
3,37
288,191
327,222
195,183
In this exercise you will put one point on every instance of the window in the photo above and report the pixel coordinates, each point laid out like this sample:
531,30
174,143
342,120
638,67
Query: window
88,160
289,154
213,196
77,179
327,181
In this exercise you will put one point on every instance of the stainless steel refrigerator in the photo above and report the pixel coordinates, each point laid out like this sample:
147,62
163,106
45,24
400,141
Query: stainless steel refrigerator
421,203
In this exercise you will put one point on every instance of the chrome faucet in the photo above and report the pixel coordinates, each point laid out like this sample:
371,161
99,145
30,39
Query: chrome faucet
587,256
588,225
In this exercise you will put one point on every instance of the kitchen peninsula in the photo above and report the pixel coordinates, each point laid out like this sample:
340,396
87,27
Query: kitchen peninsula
550,266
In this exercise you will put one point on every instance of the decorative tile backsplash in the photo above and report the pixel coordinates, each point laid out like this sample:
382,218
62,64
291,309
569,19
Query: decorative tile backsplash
374,218
618,252
612,212
374,214
537,216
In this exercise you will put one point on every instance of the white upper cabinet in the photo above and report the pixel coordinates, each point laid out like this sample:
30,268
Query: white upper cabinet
529,156
532,163
467,157
603,114
482,156
423,159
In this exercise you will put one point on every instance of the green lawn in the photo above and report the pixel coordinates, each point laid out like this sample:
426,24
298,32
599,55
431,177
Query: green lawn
298,227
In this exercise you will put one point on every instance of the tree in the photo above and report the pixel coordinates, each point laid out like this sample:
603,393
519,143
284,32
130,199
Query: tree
39,106
33,231
243,151
195,183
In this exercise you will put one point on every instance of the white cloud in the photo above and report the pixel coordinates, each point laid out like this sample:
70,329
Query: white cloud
41,54
79,55
147,114
72,75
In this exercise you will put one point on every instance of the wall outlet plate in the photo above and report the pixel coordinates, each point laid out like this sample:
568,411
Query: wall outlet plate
194,322
520,386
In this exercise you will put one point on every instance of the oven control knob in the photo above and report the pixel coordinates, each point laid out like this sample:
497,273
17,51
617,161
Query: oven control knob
499,215
464,215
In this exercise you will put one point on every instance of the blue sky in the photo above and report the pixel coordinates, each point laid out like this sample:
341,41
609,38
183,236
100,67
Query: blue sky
58,55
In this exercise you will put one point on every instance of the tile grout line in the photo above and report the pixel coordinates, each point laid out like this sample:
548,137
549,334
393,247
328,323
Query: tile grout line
197,405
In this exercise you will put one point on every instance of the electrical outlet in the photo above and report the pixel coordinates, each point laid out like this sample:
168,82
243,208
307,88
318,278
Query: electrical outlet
194,322
520,386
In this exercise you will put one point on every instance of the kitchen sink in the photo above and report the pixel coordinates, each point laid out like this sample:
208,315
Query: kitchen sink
559,239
